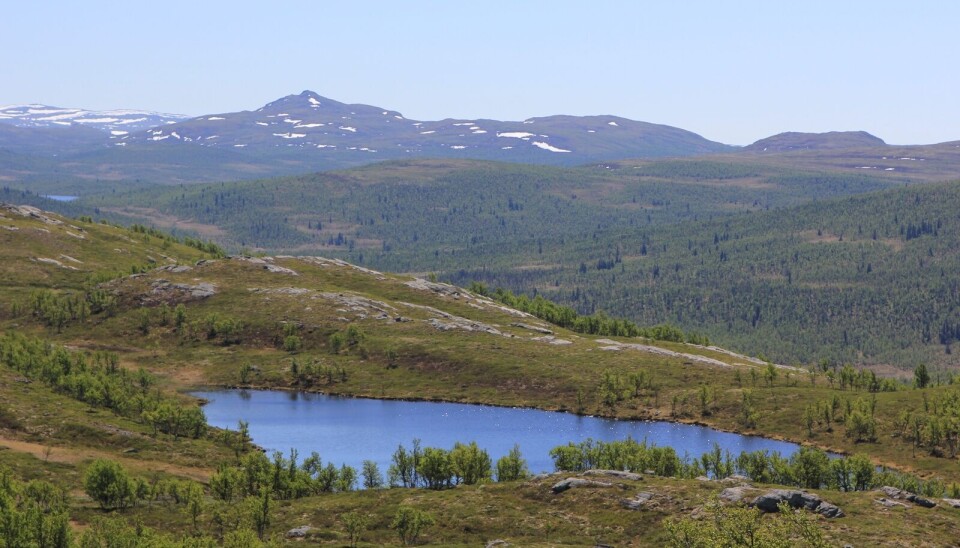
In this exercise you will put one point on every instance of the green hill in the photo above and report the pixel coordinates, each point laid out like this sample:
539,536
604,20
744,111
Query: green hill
106,326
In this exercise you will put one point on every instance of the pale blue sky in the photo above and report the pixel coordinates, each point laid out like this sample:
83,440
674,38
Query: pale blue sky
732,71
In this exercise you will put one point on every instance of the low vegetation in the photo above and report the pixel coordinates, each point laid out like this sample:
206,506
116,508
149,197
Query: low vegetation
93,407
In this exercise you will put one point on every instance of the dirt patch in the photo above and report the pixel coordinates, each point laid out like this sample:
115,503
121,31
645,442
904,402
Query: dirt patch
67,455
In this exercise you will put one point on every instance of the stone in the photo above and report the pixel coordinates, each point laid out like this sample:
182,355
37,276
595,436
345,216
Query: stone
279,269
571,483
299,532
769,502
734,494
637,502
828,510
615,474
536,328
497,543
953,503
921,501
887,503
900,494
735,479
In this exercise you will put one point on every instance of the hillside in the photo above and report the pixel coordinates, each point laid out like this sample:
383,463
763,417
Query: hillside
188,317
454,206
815,141
862,279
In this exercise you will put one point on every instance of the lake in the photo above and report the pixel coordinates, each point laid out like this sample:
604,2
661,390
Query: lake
347,430
61,197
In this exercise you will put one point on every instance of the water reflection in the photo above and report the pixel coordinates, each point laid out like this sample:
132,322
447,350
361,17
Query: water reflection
351,430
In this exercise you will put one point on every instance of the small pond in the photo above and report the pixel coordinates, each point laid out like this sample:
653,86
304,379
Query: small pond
61,197
347,430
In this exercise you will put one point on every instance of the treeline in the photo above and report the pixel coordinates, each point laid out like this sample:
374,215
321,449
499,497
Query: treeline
207,247
98,380
808,468
284,478
594,324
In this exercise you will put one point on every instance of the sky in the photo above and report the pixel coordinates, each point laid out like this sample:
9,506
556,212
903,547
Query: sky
732,71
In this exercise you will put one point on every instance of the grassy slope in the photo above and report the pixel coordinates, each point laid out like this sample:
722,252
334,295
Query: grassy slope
456,365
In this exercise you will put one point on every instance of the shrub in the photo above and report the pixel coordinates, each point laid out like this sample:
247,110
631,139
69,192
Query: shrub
108,483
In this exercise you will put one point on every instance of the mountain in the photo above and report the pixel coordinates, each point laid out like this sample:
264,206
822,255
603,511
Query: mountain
116,122
355,134
792,140
49,141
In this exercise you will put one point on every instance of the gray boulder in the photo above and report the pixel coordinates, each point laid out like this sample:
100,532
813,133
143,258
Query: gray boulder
299,532
900,494
887,503
637,502
828,510
734,494
953,503
571,483
620,474
769,502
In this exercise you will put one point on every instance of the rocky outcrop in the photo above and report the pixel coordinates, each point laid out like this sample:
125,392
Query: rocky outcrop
638,501
576,483
163,290
175,268
612,345
267,264
953,503
30,212
887,503
54,262
770,502
299,532
619,474
735,494
536,328
900,494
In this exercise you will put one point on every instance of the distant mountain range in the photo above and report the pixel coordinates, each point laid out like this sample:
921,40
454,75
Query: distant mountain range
317,125
118,122
68,148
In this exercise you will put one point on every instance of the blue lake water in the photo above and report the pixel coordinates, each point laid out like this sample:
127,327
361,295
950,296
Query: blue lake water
350,430
61,197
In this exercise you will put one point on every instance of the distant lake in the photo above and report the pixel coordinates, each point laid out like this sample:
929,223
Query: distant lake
350,430
61,197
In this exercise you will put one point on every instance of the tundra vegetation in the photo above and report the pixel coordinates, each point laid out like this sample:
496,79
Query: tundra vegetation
102,445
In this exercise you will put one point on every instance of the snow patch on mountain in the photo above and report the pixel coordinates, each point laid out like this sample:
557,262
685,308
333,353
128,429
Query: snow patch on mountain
515,134
547,146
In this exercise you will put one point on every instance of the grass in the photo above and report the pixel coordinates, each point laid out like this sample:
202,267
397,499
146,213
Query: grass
54,437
